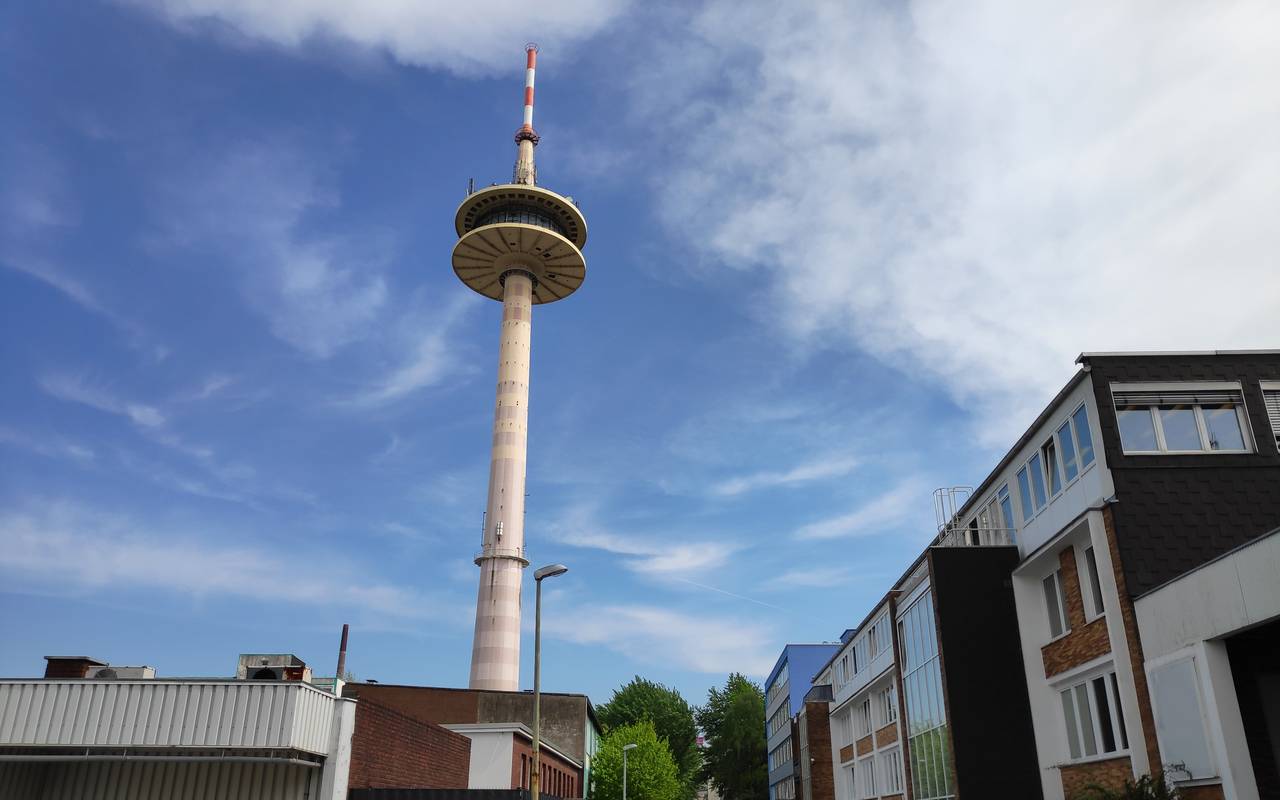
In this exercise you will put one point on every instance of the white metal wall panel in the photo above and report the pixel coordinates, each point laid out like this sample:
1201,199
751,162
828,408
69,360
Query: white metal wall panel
143,780
93,713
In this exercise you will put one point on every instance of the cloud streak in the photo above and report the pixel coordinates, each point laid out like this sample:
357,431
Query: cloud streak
662,636
873,518
75,389
81,548
816,470
644,553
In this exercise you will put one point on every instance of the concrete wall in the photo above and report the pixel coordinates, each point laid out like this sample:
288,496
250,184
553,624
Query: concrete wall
491,758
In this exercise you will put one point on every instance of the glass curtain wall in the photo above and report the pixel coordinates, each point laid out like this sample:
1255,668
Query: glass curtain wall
928,738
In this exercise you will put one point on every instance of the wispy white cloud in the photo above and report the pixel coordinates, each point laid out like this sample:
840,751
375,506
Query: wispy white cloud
873,518
76,389
655,635
250,204
950,187
47,445
433,33
812,577
84,549
809,472
430,355
644,553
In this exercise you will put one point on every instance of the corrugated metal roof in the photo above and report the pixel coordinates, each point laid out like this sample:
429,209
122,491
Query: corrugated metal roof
95,713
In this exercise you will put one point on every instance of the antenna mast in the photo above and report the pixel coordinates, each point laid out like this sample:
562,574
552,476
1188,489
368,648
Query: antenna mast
526,138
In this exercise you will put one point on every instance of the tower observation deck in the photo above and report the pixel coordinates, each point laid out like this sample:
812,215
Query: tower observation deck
521,244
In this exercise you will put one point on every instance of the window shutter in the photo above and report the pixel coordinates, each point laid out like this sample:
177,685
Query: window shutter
1272,399
1171,398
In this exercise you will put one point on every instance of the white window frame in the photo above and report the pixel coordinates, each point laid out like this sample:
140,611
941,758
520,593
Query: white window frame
887,699
1060,591
867,777
1162,447
1095,606
1271,402
891,770
1119,727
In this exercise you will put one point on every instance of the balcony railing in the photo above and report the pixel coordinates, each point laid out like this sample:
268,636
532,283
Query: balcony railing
976,537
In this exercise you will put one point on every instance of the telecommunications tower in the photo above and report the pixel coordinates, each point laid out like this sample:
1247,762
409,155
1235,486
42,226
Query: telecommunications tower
521,244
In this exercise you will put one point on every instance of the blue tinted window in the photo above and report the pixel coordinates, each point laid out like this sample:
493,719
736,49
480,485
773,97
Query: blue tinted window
1084,437
1037,481
1024,492
1068,451
1137,430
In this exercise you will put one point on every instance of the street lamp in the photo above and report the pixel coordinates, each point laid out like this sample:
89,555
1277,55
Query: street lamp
625,748
549,571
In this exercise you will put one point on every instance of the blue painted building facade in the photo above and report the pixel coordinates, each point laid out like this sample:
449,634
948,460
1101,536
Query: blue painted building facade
784,693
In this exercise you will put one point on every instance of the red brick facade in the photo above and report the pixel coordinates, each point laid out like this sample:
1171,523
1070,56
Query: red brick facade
1136,659
1109,774
390,750
818,735
1086,641
560,778
887,735
864,745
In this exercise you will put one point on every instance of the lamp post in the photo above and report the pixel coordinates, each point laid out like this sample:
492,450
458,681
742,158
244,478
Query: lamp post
549,571
625,748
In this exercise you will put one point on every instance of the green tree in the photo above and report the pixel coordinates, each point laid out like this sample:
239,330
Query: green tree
735,757
672,718
651,772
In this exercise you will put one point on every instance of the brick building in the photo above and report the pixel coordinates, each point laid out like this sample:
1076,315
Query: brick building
499,725
390,750
908,716
1146,498
813,729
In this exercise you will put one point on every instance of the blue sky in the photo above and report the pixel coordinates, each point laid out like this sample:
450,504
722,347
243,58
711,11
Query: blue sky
839,255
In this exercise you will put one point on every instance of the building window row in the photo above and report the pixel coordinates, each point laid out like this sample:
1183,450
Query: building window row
781,684
928,736
1176,421
785,790
781,755
780,719
1094,720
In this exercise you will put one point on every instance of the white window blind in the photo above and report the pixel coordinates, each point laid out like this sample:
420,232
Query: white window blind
1272,399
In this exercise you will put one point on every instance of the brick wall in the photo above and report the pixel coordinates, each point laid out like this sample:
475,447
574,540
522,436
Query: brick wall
864,745
1109,774
887,735
1086,641
846,753
390,750
560,778
818,732
1137,661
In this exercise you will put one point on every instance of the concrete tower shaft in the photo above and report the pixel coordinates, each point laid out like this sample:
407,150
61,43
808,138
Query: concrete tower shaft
495,650
521,244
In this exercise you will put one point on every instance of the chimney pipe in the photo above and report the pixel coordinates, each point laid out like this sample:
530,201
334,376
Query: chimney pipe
342,662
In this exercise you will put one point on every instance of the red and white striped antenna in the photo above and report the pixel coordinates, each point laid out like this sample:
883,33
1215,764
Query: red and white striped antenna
525,172
531,66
